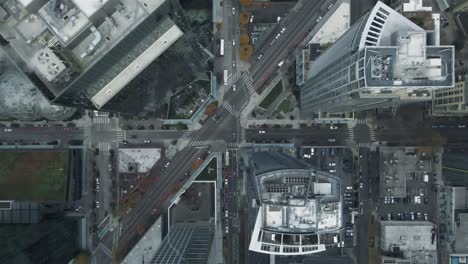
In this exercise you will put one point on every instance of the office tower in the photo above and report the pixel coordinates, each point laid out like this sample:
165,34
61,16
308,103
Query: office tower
383,60
300,209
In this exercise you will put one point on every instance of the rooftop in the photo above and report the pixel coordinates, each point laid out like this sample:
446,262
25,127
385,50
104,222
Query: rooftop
299,201
93,45
414,240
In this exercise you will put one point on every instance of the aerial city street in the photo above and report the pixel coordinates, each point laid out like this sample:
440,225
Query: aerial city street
233,131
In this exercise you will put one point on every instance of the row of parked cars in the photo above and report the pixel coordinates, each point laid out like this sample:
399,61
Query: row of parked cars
412,216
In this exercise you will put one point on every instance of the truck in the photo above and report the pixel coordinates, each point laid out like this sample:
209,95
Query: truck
221,47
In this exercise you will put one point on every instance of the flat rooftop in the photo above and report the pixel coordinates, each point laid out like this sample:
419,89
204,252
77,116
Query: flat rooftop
410,63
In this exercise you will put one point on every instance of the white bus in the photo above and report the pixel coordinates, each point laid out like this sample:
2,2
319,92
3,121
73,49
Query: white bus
225,77
226,158
221,48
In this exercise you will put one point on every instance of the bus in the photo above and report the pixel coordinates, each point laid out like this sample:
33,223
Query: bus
225,77
226,158
221,48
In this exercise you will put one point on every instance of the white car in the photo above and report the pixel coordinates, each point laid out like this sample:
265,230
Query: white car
332,171
330,6
261,132
318,19
331,140
233,64
227,229
277,36
97,204
234,87
233,42
226,214
361,185
251,18
333,127
307,156
331,164
282,30
167,164
8,130
147,141
233,11
260,56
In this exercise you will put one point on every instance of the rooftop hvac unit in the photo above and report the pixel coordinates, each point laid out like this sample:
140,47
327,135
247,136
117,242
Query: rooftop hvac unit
377,61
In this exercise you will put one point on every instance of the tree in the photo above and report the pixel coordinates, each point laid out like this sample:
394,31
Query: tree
211,108
180,126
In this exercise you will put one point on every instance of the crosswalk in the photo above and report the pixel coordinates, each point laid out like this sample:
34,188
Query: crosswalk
364,145
201,143
372,134
234,77
121,134
233,144
247,80
87,132
351,133
361,122
104,146
101,120
231,109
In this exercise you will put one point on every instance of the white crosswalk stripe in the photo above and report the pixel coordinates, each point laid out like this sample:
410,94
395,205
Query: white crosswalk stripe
101,120
120,134
351,133
231,109
372,134
362,122
234,77
364,145
104,146
87,132
233,144
201,143
247,80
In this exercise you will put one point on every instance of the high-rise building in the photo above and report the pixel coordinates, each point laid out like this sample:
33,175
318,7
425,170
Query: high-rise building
383,60
452,101
300,209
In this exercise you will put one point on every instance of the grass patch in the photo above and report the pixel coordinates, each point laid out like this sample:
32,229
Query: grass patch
285,106
271,97
209,172
32,175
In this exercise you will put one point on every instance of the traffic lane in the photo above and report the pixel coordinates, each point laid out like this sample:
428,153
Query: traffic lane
154,134
296,131
154,196
359,8
41,133
292,23
302,23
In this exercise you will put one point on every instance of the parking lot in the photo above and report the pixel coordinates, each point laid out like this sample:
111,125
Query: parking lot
339,162
408,185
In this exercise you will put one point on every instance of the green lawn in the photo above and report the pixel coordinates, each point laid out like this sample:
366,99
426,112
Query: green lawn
271,97
209,172
285,106
32,175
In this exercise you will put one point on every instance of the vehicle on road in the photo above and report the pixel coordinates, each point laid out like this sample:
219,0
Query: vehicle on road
225,77
333,127
260,56
277,36
234,87
331,140
251,18
282,30
8,129
233,42
331,164
97,204
167,164
330,6
146,141
361,185
332,171
280,63
233,11
318,19
221,47
233,64
261,132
